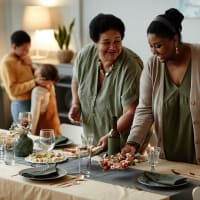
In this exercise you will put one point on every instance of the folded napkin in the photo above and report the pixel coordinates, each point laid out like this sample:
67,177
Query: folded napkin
38,172
166,179
60,139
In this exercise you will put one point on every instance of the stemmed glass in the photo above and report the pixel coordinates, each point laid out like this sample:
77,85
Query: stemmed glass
47,141
25,119
153,157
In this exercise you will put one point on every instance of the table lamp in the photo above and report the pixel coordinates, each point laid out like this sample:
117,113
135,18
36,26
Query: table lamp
37,18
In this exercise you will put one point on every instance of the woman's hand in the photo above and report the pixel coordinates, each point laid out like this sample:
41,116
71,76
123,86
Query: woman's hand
26,60
41,81
74,114
128,149
103,142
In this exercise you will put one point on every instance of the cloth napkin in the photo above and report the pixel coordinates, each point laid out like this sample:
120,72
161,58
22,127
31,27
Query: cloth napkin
60,139
166,179
38,172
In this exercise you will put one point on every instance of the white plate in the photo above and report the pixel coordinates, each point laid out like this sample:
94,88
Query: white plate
61,173
62,144
41,158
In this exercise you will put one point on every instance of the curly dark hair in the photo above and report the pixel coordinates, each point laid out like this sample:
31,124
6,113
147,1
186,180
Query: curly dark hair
20,37
50,72
173,26
104,22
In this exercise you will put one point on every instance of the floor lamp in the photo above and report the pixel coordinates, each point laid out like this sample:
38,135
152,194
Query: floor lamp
37,18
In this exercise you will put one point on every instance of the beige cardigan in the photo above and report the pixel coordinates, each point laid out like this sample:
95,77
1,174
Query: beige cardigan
150,106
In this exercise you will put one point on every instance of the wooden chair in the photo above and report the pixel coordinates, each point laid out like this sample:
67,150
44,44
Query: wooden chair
73,132
196,193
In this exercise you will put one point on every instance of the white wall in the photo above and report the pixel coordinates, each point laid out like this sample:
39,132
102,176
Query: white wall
137,14
4,22
11,14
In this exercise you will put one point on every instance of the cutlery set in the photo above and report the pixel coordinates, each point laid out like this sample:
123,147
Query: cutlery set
75,180
188,174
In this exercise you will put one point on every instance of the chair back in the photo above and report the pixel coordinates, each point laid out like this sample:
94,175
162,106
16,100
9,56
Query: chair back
196,193
73,132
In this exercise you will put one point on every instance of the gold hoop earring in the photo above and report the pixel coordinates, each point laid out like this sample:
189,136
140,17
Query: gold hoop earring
177,50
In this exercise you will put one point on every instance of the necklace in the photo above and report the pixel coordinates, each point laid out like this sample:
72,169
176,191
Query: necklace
103,71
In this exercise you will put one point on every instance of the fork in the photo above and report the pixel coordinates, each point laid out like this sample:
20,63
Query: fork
15,175
190,174
71,181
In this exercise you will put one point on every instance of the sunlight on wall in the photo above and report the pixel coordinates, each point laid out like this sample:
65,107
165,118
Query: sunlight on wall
47,2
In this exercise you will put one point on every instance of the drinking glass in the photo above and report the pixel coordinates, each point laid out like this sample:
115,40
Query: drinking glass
47,141
90,140
9,158
85,154
25,119
2,146
153,157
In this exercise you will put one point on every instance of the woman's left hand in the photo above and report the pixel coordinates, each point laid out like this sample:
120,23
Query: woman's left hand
103,142
26,60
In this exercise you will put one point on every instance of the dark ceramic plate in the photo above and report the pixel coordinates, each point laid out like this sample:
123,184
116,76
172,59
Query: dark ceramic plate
61,173
60,145
145,181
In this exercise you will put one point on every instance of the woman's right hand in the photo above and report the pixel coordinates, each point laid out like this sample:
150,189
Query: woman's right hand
74,114
128,149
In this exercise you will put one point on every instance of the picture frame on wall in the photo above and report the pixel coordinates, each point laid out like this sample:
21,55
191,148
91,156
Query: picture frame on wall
190,8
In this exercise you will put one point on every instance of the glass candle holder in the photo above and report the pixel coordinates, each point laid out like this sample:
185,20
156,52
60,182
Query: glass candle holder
153,156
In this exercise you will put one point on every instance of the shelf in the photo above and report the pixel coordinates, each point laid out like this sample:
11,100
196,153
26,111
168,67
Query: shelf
62,88
63,114
63,85
63,68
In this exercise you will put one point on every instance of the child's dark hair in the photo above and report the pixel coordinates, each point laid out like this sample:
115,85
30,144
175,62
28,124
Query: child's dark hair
20,37
50,72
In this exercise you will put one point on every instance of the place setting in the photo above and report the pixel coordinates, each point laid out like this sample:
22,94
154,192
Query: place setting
158,180
45,160
53,175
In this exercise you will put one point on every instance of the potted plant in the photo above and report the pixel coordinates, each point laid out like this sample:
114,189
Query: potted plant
63,38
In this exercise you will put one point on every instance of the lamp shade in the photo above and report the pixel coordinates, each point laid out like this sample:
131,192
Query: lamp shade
37,18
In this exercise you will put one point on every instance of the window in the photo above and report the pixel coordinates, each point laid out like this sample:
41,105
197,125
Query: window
190,8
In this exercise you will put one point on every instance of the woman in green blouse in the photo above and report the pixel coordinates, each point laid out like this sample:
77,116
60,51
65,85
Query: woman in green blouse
105,81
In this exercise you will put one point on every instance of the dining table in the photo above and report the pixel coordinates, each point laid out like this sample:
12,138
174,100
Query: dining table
101,185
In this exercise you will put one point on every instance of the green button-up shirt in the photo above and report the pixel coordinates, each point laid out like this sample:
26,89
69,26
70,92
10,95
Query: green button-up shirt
118,90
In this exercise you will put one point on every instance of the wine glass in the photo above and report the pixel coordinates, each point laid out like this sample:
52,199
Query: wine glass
47,141
25,119
153,157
